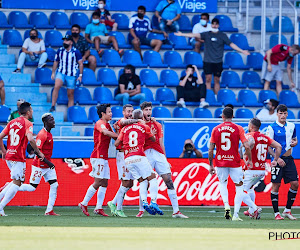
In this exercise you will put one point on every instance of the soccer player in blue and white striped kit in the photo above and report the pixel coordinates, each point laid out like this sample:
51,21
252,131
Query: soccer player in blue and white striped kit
284,133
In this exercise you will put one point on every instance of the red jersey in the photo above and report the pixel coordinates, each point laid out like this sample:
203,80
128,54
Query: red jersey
101,141
44,141
119,127
133,137
259,150
156,129
280,53
226,136
17,131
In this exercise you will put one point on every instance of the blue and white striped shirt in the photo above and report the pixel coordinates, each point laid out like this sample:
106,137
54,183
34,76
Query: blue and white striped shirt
68,61
283,134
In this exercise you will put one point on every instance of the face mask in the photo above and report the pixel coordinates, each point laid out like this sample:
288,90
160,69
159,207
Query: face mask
100,5
32,37
128,75
214,30
75,34
96,21
66,45
140,15
291,54
203,22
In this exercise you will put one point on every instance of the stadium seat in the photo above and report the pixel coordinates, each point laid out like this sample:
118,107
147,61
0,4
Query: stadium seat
104,95
234,60
202,113
231,79
93,115
117,111
62,96
248,98
274,40
173,59
243,113
19,20
289,98
12,38
53,38
27,32
3,21
299,114
291,114
39,20
154,22
218,112
194,58
226,24
51,54
291,41
257,24
60,20
79,18
286,24
252,79
149,96
255,60
181,113
122,20
161,112
184,23
133,57
43,76
89,132
89,78
227,96
149,78
98,60
112,58
78,115
179,42
161,37
165,96
4,113
241,41
169,78
211,99
153,59
121,39
196,19
265,95
107,76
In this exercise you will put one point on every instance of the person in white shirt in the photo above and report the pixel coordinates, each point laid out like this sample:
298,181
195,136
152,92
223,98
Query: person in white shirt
268,114
33,50
202,26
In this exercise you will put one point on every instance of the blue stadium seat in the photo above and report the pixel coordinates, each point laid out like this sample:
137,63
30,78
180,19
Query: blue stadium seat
149,78
231,79
202,113
255,60
51,54
93,115
173,59
153,59
19,20
257,24
79,18
120,39
182,113
291,41
117,111
274,40
184,23
98,60
122,20
241,41
4,113
218,112
234,60
104,95
154,22
107,76
251,79
243,113
196,19
286,24
27,32
39,20
78,115
149,96
88,131
133,57
226,24
161,112
194,58
289,98
291,114
89,78
161,37
211,99
165,96
248,98
53,38
299,114
62,96
227,96
12,38
265,95
169,78
179,42
3,21
59,20
43,76
112,58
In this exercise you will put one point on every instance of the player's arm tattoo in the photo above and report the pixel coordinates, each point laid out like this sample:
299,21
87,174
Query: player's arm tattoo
211,153
247,150
126,122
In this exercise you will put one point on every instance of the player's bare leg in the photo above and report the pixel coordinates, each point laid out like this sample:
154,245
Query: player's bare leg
290,201
239,195
10,194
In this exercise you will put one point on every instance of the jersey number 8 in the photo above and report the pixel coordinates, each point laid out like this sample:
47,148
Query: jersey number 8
225,141
14,137
133,135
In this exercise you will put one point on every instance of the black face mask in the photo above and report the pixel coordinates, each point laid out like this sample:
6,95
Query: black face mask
128,75
32,37
140,15
75,34
66,45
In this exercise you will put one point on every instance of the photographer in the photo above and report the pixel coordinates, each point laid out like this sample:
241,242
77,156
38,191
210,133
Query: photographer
189,150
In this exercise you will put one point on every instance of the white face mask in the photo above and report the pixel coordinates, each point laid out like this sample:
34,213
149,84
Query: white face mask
100,5
203,22
214,30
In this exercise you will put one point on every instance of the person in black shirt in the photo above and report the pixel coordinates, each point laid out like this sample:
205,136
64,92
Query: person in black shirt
129,87
191,88
190,151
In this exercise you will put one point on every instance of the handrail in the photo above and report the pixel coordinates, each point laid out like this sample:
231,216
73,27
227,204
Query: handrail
263,27
280,22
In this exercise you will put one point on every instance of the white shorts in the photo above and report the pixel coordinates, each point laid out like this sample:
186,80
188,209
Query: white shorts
251,177
123,171
236,174
17,170
100,168
38,173
275,74
158,161
138,166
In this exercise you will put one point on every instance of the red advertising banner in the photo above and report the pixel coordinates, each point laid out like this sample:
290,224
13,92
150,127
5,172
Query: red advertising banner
194,185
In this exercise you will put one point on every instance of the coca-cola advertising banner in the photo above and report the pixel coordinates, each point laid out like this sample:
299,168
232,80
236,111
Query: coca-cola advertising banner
193,183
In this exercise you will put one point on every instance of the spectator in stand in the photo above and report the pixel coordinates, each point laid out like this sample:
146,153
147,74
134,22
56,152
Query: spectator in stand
214,42
129,87
67,60
201,27
268,113
97,33
189,150
105,17
271,69
139,26
230,106
17,113
33,50
2,91
81,44
191,88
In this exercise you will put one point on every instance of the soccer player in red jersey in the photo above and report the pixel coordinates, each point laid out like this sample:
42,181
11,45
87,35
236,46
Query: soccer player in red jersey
225,137
19,131
133,138
99,160
40,169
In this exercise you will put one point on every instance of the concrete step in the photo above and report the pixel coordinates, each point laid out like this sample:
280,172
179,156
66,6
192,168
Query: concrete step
7,59
33,98
58,116
24,85
22,89
15,78
58,130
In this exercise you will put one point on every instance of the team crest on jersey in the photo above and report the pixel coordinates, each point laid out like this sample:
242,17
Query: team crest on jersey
256,164
103,126
153,129
38,142
219,157
279,132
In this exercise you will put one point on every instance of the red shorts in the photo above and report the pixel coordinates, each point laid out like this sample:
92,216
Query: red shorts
108,23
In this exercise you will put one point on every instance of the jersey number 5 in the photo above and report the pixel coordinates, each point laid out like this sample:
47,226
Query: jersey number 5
133,135
14,137
261,151
225,141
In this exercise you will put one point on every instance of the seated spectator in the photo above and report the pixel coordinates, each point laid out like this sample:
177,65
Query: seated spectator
67,60
227,105
17,113
139,26
30,151
268,113
33,50
105,17
202,26
2,91
97,33
271,69
167,13
189,150
81,44
129,87
191,88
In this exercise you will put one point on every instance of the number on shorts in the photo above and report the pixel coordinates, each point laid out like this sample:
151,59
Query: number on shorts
261,151
225,139
133,135
37,174
275,170
14,137
100,166
125,170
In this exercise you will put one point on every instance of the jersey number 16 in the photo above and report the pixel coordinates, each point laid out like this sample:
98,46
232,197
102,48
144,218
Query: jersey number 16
14,137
